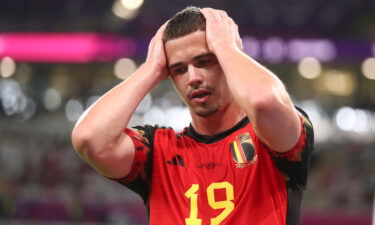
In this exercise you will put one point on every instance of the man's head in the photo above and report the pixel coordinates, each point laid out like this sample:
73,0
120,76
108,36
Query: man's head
184,22
193,69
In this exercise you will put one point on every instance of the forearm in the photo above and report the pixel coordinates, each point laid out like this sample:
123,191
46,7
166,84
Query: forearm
103,123
263,97
250,83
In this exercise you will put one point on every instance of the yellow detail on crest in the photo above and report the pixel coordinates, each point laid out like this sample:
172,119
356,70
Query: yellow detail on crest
238,154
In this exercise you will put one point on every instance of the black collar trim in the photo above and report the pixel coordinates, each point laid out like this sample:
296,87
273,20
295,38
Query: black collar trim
190,131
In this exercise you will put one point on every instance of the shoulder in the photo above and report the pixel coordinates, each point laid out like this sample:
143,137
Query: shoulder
155,132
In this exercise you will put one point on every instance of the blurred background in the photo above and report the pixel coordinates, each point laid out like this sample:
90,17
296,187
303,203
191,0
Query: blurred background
58,57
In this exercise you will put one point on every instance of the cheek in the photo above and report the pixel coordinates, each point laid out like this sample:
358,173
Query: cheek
221,82
178,84
223,89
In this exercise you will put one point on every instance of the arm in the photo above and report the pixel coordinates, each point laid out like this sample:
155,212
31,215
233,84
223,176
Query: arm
98,136
258,92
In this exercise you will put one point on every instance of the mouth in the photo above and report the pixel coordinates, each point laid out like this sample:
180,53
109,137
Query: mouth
200,95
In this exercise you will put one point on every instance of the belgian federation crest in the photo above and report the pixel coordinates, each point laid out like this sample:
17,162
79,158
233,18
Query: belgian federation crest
243,150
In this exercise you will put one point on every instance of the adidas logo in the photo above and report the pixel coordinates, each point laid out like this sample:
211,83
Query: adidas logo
176,160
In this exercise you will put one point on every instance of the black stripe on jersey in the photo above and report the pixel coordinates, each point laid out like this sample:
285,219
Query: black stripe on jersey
233,151
294,204
206,139
296,174
140,186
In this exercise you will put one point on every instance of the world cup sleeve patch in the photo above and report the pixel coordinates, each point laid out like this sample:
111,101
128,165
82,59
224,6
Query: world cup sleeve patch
243,150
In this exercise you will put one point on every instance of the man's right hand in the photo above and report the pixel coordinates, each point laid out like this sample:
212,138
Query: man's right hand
156,53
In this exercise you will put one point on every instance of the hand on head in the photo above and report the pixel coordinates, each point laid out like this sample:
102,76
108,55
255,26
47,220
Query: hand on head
221,30
156,53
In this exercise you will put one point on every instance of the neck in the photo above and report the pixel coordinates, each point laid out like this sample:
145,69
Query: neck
218,122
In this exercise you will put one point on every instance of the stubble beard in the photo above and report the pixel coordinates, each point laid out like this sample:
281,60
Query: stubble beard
205,110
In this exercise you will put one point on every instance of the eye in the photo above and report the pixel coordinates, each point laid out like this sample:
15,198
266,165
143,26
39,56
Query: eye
179,70
203,62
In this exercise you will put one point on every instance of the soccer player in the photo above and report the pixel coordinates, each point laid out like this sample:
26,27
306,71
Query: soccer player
243,159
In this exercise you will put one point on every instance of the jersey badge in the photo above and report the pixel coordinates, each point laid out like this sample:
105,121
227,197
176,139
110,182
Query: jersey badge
243,151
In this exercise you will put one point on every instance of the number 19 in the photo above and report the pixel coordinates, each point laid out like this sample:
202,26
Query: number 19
227,204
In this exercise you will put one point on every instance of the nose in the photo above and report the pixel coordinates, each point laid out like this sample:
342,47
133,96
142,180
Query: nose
195,78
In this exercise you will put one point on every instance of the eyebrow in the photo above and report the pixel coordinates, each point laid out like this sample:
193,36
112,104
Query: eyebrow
203,55
194,58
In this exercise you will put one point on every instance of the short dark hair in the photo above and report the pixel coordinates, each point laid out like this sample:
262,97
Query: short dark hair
184,22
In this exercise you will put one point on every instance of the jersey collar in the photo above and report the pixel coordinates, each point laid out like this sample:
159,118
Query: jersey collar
207,139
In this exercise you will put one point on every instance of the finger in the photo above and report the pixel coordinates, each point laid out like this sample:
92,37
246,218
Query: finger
230,22
233,27
218,15
213,15
161,29
157,39
239,41
237,36
207,13
223,15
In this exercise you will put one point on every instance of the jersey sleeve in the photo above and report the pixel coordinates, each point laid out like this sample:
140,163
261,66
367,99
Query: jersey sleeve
294,164
138,179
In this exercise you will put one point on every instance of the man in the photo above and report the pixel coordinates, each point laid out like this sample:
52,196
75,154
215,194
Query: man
244,157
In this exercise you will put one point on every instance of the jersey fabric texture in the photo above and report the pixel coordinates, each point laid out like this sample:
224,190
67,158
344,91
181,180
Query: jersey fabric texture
230,178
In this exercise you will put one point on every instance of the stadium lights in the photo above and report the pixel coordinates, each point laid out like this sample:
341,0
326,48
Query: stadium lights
14,101
350,119
339,83
274,49
309,68
124,67
73,110
345,118
368,68
321,49
7,67
52,99
251,46
120,11
131,4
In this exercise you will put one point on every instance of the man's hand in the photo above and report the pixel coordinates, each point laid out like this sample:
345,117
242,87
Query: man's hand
156,54
221,30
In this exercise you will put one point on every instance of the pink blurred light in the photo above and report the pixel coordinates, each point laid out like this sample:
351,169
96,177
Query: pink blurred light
64,47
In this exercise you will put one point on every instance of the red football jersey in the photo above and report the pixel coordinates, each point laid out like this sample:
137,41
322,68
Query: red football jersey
231,178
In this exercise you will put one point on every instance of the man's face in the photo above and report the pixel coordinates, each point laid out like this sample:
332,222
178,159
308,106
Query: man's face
196,74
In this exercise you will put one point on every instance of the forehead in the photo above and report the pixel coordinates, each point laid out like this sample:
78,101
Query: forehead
185,48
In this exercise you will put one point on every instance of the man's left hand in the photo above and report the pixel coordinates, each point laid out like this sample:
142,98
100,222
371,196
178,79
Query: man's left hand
221,30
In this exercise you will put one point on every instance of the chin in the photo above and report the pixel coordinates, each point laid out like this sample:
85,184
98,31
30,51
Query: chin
205,111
